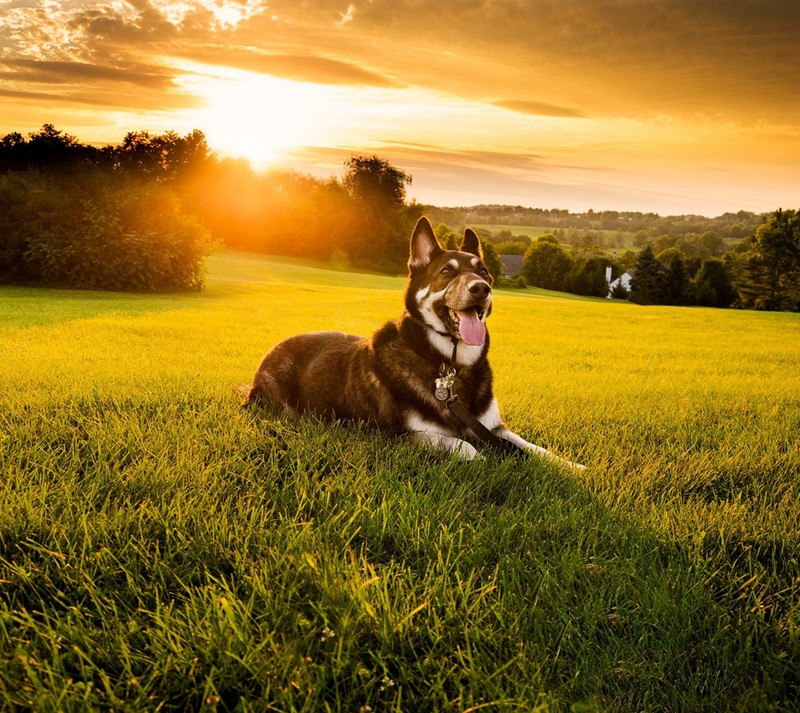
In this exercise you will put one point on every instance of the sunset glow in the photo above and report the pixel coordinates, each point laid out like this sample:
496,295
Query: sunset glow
252,116
667,106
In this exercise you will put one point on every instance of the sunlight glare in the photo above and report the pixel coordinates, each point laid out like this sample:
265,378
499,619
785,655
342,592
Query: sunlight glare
253,116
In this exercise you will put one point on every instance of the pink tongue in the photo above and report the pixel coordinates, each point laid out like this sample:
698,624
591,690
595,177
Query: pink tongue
471,329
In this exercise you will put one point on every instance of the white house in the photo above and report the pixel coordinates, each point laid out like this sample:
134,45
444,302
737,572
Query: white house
624,279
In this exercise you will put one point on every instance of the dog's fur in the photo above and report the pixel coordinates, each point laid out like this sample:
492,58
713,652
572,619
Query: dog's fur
389,378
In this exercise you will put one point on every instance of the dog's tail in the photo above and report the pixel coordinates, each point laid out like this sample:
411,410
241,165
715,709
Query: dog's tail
251,396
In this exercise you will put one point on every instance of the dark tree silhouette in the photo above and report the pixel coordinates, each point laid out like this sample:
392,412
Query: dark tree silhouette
647,285
712,286
770,278
375,181
382,221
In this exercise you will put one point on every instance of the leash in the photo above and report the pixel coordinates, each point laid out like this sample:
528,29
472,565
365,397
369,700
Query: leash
444,392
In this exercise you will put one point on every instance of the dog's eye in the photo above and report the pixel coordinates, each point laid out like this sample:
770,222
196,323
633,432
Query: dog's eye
483,272
446,271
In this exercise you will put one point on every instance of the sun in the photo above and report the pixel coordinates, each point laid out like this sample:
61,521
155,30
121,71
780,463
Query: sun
254,116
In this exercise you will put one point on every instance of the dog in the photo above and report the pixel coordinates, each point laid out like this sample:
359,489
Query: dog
426,375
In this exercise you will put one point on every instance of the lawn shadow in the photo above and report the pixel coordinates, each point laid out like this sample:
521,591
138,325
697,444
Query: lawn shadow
24,307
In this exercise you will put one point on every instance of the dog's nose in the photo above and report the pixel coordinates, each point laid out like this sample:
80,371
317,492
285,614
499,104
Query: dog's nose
480,289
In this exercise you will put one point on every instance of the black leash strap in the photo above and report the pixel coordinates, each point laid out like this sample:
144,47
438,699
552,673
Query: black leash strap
444,392
491,440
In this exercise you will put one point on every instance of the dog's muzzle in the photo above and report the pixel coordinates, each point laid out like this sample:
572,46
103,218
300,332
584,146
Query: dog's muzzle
468,306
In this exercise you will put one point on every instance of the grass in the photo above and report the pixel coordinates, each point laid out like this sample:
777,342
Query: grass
160,549
534,232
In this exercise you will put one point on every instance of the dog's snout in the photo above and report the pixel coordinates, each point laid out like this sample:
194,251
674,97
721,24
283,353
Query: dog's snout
480,289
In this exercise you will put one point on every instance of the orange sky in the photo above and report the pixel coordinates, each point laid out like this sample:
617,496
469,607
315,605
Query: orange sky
670,106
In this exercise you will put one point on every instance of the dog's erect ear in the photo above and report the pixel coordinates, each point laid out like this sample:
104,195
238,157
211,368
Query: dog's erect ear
471,243
423,245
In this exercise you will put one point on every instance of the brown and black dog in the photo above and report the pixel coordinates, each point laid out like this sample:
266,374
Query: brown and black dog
404,378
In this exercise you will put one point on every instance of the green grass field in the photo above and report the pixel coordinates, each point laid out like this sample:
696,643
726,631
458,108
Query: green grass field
161,549
534,232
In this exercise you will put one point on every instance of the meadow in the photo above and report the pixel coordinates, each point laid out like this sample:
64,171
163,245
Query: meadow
534,232
162,549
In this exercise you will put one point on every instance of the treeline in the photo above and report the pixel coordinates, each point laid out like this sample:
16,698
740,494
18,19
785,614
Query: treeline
141,215
567,225
760,272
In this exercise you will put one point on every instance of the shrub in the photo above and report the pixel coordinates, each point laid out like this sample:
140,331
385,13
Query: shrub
116,238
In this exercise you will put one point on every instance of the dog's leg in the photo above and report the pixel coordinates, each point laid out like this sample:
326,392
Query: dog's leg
491,419
520,442
451,444
430,434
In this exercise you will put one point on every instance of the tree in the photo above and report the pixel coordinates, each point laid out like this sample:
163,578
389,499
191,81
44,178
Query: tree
375,181
647,285
770,276
161,157
546,264
491,258
48,149
446,237
382,222
712,286
712,243
588,277
676,283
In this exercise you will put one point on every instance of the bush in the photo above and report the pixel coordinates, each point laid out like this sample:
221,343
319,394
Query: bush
115,238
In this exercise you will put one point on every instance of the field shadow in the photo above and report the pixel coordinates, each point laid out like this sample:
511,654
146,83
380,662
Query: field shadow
24,307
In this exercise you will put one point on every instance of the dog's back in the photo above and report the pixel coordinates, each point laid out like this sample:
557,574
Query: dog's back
312,372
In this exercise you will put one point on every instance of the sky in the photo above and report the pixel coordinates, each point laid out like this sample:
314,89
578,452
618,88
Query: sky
665,106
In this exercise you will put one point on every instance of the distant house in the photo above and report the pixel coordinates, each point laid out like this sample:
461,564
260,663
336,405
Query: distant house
624,279
512,265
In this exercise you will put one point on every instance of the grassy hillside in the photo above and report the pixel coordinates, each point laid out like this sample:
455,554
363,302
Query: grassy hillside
162,549
534,232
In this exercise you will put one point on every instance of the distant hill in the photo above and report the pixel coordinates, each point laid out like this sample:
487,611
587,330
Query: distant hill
728,226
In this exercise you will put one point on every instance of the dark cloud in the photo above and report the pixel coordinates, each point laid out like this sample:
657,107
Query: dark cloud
52,98
61,72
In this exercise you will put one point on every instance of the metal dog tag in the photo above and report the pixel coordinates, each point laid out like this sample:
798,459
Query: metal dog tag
443,386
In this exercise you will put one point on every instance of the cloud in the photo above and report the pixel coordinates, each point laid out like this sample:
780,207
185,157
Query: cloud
57,72
427,160
54,98
298,67
543,57
539,108
732,58
347,16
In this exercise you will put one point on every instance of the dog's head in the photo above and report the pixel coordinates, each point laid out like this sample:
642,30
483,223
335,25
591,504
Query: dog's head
449,290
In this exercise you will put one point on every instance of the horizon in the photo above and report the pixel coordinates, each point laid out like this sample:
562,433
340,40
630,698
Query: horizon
671,108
